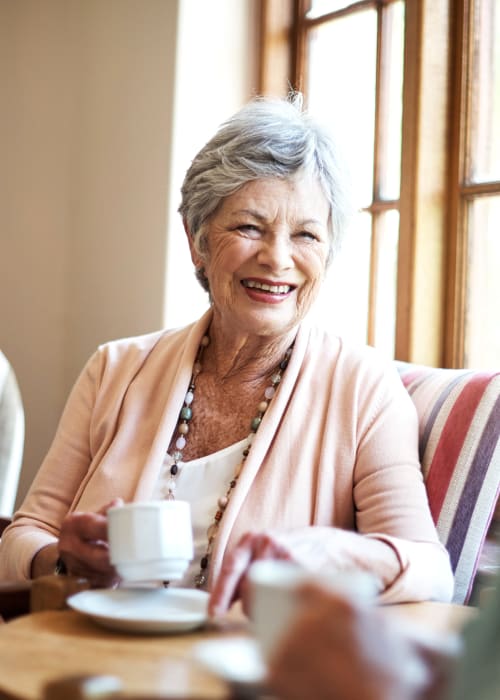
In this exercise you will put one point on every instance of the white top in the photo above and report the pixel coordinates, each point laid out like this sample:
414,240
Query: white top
201,482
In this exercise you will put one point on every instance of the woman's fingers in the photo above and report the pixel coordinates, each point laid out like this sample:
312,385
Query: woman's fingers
87,527
114,503
83,547
234,565
231,583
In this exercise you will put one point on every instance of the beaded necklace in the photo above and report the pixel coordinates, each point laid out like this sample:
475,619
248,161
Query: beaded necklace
180,442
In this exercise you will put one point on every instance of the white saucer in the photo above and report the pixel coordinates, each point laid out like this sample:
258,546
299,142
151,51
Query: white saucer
144,610
235,659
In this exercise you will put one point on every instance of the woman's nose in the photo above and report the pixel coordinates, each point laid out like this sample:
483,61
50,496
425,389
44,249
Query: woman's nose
276,252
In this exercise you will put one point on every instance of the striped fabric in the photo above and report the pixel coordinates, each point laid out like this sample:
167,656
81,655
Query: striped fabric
459,427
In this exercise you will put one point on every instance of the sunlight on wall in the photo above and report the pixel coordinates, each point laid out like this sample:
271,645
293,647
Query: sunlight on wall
214,77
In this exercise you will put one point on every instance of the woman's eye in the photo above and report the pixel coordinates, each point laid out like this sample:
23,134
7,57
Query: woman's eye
308,235
249,229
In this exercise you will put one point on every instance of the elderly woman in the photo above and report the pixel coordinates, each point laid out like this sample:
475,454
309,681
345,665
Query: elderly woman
287,442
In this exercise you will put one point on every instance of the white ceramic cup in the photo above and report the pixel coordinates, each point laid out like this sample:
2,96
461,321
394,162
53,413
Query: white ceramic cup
274,601
150,540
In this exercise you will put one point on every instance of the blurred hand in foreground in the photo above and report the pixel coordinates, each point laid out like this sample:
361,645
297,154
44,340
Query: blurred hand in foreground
338,649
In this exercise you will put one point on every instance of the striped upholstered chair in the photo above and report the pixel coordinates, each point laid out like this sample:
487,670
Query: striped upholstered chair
459,428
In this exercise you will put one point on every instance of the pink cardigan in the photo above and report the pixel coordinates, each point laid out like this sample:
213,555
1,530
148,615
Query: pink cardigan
337,448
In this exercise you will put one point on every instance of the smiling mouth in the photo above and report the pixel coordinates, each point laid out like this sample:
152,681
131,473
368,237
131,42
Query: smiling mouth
271,288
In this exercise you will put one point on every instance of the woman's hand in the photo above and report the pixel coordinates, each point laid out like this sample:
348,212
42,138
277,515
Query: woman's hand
339,649
314,548
232,583
83,546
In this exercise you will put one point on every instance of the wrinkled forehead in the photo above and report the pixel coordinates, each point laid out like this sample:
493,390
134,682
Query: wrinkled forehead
293,199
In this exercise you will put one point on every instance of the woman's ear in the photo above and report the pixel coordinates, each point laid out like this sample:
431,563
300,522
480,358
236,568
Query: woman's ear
195,256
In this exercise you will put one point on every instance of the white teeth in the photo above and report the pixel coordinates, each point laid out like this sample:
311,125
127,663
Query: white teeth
273,288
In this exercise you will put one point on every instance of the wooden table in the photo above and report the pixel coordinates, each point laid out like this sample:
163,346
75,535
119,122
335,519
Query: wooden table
44,646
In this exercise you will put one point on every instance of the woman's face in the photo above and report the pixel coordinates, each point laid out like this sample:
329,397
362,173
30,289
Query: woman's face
267,248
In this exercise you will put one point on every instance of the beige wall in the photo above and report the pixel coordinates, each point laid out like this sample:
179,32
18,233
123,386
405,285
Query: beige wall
87,90
215,74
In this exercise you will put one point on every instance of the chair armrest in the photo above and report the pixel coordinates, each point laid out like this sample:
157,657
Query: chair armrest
44,593
51,592
4,521
14,599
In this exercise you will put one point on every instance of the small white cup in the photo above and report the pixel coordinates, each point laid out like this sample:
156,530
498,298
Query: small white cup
274,602
151,540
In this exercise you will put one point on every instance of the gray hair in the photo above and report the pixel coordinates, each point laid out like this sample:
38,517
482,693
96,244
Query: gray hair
268,137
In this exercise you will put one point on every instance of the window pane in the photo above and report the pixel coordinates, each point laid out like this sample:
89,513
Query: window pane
485,84
391,101
341,89
387,268
482,324
343,302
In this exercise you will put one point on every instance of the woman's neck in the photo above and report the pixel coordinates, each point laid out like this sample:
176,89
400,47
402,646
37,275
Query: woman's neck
242,355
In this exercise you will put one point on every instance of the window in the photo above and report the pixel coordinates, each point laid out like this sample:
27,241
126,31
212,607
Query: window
414,90
475,326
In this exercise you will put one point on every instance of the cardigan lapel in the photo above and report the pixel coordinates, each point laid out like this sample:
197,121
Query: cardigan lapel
260,446
178,370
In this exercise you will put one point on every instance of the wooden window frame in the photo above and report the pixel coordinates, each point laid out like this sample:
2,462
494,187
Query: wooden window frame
432,258
461,189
